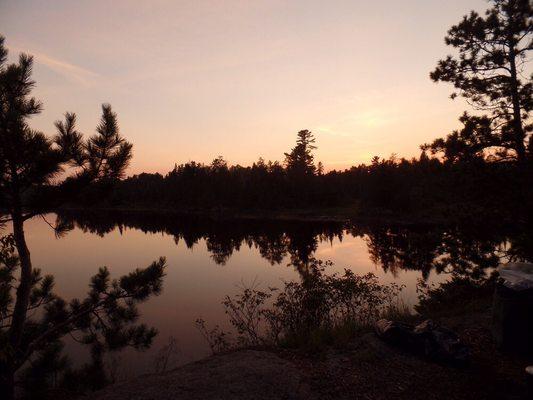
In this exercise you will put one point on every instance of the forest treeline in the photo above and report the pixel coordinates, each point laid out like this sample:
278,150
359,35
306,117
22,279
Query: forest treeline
421,186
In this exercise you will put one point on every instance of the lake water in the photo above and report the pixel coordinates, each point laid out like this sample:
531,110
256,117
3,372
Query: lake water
209,259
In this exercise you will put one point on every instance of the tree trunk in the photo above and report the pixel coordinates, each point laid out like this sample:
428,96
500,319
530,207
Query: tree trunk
518,129
7,383
24,288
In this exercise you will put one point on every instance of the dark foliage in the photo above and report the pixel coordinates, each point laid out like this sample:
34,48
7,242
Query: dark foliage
106,320
38,172
426,188
303,314
490,72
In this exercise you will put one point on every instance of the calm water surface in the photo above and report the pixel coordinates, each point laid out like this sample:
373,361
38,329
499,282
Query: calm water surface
208,260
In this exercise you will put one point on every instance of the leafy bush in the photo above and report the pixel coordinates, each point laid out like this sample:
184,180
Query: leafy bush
455,296
307,313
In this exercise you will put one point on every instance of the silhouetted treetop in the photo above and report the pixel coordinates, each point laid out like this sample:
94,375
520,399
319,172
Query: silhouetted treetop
489,72
300,160
29,159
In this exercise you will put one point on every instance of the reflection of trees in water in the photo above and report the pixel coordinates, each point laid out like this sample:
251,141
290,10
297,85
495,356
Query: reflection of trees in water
454,250
460,251
396,249
275,240
272,247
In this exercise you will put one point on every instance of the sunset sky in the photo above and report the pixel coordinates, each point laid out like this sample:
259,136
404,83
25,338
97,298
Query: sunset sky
191,80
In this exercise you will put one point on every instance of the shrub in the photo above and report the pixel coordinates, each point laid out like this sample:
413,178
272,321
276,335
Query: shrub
307,313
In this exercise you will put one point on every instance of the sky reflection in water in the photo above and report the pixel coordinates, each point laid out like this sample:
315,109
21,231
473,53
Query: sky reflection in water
208,260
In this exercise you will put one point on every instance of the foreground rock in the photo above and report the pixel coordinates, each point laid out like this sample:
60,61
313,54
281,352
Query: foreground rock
365,368
246,374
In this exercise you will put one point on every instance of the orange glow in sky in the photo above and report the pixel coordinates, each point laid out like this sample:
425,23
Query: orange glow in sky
191,80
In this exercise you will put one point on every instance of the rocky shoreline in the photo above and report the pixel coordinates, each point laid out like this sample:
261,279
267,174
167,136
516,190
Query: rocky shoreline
365,368
242,374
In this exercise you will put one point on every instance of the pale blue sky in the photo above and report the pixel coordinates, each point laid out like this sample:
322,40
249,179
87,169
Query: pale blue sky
194,79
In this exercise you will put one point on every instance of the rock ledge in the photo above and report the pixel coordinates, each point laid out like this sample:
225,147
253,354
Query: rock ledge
244,374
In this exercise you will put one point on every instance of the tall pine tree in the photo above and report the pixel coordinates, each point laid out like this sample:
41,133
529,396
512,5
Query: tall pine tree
301,161
31,162
489,71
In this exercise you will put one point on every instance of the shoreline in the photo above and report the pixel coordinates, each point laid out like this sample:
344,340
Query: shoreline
365,367
317,215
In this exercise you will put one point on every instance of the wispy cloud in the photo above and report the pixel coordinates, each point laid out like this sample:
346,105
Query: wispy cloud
73,72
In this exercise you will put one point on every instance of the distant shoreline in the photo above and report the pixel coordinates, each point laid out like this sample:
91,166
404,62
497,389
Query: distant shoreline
317,215
324,215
